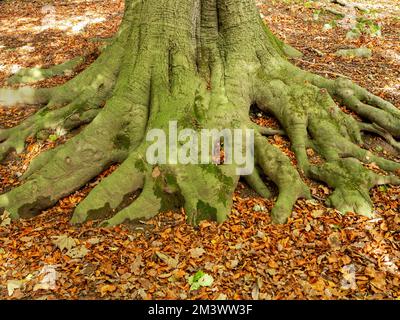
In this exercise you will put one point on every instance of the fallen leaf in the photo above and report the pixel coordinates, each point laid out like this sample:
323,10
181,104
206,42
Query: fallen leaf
64,242
135,267
142,293
349,277
77,252
171,262
317,213
196,252
379,282
106,289
222,296
200,279
94,241
49,278
255,292
12,285
5,219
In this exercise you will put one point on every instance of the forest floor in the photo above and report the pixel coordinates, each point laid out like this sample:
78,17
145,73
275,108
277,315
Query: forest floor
319,254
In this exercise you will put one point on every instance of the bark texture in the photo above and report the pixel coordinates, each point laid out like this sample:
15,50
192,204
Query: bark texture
202,63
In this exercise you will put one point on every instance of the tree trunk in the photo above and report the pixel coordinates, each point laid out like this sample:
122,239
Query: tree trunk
201,63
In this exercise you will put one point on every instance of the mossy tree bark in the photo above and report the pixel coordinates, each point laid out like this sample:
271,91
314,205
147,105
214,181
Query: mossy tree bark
202,63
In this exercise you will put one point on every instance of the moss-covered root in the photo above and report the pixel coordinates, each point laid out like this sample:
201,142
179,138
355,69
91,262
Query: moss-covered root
367,105
257,184
310,118
146,206
112,192
280,170
74,163
98,77
207,191
374,128
70,168
38,163
352,182
30,75
69,117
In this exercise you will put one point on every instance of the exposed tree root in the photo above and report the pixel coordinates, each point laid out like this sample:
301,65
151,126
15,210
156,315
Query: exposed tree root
201,64
59,172
280,170
255,181
311,119
110,193
36,74
374,128
69,117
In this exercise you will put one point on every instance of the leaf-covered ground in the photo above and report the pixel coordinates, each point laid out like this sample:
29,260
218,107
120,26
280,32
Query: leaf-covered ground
318,254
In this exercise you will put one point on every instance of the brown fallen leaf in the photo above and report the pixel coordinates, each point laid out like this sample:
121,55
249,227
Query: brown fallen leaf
197,252
171,262
106,289
136,265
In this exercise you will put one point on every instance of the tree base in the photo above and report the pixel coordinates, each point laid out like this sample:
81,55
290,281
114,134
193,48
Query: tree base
204,71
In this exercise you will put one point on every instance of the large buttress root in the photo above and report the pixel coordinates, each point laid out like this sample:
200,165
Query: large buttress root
61,171
72,104
200,64
110,193
67,118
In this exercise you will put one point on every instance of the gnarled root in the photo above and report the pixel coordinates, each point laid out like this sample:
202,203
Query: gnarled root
310,118
280,170
352,183
111,193
59,172
66,118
